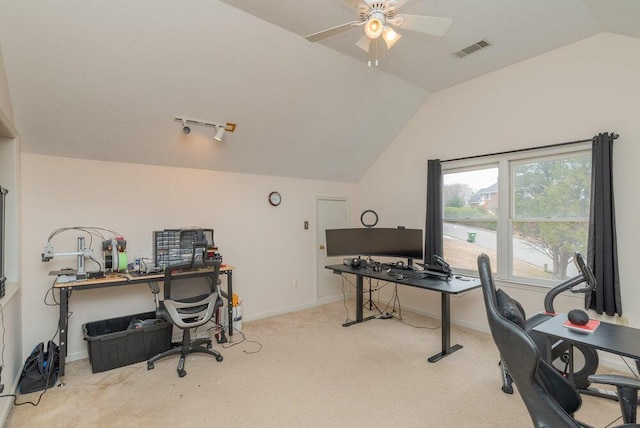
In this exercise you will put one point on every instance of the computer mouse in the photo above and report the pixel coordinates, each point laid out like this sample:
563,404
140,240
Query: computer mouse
578,317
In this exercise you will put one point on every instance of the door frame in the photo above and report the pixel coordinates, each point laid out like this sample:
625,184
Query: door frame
347,202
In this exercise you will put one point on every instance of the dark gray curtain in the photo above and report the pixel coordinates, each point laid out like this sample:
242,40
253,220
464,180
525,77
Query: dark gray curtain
602,253
433,227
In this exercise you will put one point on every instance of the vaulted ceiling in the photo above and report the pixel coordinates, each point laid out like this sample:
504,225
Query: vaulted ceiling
104,80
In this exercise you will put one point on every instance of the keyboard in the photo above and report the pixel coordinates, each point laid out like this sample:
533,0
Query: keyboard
415,274
407,273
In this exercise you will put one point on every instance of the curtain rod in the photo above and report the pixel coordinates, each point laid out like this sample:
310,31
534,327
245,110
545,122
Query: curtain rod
615,136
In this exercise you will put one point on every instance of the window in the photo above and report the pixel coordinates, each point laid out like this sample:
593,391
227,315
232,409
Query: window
529,211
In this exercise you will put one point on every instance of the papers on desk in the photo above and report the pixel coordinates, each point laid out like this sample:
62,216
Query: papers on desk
589,327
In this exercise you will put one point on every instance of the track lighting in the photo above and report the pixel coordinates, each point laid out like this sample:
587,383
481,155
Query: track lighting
219,128
185,129
219,133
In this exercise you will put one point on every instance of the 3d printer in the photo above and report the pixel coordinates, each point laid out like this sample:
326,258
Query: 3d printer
114,254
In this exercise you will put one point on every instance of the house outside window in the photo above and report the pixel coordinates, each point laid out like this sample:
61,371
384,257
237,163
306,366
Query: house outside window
528,210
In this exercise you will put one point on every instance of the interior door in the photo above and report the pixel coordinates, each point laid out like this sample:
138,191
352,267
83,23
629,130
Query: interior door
331,214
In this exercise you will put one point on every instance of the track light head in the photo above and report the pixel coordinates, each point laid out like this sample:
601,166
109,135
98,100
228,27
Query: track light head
185,128
219,133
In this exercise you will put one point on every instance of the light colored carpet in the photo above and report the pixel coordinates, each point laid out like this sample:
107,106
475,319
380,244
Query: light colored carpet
309,372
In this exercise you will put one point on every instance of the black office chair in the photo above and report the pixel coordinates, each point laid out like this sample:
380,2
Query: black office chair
550,398
191,298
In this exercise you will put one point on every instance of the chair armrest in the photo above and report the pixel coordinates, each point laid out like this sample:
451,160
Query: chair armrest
155,288
616,380
627,389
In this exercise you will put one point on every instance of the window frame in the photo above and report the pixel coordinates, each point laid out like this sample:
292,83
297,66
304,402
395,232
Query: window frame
506,209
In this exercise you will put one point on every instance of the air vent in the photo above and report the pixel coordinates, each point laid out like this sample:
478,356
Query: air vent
472,48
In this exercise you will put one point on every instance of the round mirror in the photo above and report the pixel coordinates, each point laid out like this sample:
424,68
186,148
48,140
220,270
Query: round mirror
369,218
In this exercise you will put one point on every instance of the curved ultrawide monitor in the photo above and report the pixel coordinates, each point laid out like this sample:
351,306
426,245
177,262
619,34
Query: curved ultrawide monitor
389,242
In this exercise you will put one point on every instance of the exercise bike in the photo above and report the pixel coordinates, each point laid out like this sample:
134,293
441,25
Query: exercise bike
585,358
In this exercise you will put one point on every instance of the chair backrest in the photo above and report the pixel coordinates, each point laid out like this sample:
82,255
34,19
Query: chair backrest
183,280
191,295
550,398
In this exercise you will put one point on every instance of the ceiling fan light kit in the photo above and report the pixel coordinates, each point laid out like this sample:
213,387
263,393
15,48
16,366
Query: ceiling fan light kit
375,15
390,37
374,26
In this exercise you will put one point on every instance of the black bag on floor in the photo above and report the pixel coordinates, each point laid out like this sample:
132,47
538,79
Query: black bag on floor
40,369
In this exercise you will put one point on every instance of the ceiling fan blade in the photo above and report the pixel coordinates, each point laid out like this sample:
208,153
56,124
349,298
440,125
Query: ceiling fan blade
363,43
353,4
331,31
401,3
425,24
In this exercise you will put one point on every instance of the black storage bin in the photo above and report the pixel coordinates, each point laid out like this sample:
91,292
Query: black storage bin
114,343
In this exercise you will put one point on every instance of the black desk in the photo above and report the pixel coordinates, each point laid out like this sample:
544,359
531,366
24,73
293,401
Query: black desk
614,338
118,280
445,287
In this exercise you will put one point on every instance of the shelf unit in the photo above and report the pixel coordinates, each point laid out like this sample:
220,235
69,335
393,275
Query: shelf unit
174,246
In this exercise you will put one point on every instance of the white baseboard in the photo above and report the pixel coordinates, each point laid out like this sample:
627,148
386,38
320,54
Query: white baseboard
6,403
318,302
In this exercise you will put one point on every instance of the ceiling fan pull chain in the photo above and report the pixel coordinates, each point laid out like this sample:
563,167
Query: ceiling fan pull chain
374,43
376,47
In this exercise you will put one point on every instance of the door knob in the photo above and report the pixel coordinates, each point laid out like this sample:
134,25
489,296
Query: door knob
321,247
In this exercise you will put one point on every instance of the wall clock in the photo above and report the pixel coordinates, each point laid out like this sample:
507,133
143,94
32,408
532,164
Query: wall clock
275,198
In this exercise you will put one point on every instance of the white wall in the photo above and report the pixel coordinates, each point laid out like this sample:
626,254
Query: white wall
267,245
571,93
7,123
568,94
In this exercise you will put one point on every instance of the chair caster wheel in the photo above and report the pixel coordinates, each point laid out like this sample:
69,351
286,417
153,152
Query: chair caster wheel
209,346
182,373
150,366
218,357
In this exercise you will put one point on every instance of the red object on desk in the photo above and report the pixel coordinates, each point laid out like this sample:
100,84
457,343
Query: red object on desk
589,327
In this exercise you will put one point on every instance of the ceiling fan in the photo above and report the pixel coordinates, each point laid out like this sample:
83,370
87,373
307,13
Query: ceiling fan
378,17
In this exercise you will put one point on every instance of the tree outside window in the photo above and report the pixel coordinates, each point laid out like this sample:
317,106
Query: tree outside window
543,218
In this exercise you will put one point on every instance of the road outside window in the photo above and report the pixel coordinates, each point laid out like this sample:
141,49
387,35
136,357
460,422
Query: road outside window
529,214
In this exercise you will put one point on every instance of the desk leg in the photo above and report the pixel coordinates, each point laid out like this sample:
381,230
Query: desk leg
63,325
230,301
359,303
446,330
